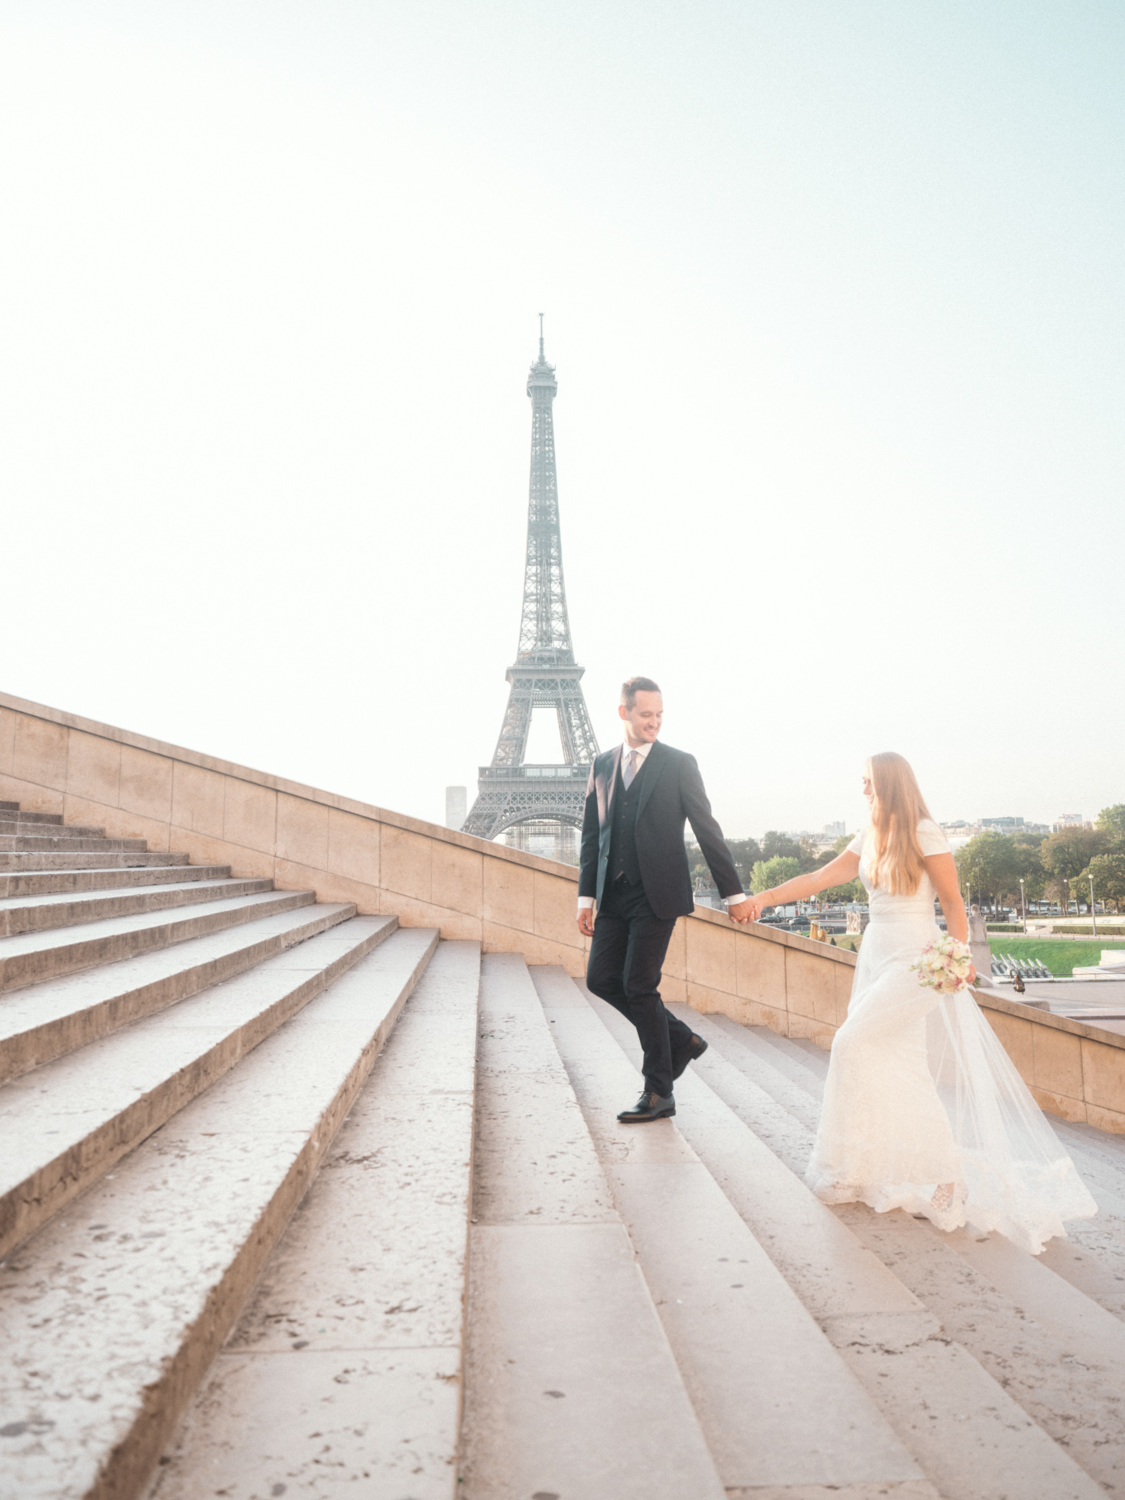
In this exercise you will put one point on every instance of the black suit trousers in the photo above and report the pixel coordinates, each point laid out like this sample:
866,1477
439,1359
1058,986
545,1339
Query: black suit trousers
626,956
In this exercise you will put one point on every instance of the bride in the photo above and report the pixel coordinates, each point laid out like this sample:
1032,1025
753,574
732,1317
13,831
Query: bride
923,1109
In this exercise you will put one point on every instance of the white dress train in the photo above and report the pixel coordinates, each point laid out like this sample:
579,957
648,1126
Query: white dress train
921,1094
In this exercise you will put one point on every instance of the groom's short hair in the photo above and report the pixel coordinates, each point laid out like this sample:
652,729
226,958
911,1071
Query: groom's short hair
635,685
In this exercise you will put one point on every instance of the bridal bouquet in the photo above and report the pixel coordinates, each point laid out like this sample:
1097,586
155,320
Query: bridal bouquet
945,964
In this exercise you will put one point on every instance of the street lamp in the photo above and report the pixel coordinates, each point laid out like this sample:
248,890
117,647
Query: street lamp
1023,902
1093,913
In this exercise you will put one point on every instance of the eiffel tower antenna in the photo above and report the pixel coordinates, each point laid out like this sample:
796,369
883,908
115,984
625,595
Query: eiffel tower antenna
544,674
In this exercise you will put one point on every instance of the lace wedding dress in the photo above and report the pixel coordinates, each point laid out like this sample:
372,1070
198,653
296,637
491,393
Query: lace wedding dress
923,1108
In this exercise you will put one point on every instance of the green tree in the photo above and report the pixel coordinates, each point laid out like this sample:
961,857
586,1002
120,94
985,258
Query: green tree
1111,820
774,843
745,852
812,857
989,865
1067,854
851,890
1029,866
992,864
770,872
1108,870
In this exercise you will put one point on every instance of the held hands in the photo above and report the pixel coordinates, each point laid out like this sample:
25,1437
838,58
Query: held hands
756,905
741,911
586,921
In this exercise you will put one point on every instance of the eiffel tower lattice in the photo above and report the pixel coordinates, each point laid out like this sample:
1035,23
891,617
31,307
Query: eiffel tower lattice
511,793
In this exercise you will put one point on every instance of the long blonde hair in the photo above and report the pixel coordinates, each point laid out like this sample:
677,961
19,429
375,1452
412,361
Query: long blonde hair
896,810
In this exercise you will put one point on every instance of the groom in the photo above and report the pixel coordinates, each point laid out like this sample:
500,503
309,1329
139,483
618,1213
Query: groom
634,867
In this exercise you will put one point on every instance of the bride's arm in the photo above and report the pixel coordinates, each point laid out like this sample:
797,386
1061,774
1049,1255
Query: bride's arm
843,868
943,872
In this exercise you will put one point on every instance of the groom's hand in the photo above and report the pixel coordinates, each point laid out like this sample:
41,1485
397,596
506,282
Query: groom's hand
586,921
741,911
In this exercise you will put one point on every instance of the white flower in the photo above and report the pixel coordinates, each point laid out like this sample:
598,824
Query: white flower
944,964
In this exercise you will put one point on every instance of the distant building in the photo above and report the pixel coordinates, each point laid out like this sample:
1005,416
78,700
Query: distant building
834,830
1013,825
961,830
1068,820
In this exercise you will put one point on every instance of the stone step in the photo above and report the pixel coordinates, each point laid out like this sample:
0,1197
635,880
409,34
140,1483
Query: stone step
10,812
50,913
1069,1379
48,1020
1094,1262
777,1052
1101,1153
126,1085
997,1303
65,882
1092,1259
778,1405
22,828
753,1055
806,1050
355,1330
111,1316
50,843
37,956
104,859
571,1387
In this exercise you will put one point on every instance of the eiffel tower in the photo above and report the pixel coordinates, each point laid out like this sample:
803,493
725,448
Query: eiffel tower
541,804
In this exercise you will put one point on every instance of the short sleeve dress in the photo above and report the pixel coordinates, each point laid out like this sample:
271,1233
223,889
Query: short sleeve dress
923,1109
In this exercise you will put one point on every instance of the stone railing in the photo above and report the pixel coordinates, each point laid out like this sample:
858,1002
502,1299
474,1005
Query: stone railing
303,838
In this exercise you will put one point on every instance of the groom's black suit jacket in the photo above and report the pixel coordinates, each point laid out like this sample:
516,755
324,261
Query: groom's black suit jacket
670,791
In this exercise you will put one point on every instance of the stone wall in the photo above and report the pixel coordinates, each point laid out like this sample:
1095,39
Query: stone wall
303,838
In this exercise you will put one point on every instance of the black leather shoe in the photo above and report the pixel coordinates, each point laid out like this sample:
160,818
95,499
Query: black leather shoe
697,1049
648,1107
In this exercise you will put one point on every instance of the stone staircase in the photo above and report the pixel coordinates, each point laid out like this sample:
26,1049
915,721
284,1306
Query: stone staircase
297,1202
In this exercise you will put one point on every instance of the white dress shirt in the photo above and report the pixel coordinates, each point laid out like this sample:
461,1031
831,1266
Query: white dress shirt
641,751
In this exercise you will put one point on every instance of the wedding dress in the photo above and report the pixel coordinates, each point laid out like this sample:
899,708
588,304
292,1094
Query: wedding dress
923,1108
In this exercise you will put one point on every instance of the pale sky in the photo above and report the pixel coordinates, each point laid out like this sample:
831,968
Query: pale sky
835,295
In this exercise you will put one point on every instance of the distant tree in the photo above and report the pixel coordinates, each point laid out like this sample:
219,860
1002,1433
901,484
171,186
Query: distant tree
988,864
1067,854
840,895
745,852
1108,870
851,890
1029,865
774,843
1108,866
770,872
812,857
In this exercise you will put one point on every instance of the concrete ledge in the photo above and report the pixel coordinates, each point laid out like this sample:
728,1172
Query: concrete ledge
1074,1069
